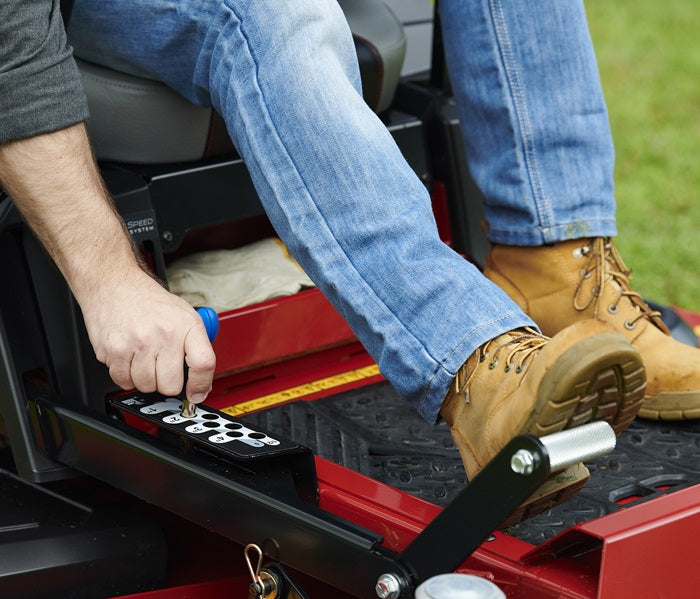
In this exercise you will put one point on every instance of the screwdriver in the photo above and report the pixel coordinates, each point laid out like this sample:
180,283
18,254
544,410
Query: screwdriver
211,324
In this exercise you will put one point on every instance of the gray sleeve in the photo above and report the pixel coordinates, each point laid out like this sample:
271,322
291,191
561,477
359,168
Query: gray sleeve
40,88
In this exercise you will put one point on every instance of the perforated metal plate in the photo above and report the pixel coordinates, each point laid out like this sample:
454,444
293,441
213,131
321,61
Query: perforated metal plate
212,428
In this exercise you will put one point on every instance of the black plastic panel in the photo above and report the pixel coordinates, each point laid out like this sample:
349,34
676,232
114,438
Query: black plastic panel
54,546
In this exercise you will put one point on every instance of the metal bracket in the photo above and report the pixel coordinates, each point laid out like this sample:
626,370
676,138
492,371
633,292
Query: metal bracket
508,480
245,501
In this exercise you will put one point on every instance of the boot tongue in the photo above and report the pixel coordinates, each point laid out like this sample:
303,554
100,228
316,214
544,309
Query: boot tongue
595,277
613,257
607,270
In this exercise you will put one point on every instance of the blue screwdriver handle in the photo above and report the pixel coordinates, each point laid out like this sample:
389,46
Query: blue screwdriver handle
211,323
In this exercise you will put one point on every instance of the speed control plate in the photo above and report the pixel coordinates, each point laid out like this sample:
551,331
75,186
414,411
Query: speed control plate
217,430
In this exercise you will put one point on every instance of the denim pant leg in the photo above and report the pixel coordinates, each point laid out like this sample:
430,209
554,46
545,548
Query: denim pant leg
334,184
534,118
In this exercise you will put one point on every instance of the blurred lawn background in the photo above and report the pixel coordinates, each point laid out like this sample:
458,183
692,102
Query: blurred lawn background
649,58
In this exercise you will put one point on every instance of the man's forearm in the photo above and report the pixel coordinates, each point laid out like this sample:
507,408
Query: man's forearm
141,332
53,180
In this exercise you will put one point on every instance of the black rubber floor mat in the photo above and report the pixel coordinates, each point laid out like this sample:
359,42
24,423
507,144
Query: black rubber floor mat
372,431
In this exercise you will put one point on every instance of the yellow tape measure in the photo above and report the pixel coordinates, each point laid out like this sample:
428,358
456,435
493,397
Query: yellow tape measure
267,401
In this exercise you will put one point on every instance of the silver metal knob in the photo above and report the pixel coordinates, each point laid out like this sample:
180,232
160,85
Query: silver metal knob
579,444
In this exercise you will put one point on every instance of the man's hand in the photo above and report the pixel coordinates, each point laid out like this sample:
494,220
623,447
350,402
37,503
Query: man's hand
140,331
144,335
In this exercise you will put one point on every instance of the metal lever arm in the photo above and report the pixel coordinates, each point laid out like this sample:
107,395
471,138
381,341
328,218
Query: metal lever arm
508,480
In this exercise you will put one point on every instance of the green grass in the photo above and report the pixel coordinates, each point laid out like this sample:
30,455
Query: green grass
649,58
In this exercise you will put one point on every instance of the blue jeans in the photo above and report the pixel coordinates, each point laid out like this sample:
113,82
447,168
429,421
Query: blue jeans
284,76
534,118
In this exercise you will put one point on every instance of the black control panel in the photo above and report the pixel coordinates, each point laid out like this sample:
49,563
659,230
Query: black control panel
216,430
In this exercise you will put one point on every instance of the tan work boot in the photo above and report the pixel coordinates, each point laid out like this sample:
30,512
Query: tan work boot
523,382
558,488
574,280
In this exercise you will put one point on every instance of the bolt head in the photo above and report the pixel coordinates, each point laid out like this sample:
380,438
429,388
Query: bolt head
523,462
388,587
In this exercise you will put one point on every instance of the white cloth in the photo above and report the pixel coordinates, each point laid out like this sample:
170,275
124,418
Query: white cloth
229,279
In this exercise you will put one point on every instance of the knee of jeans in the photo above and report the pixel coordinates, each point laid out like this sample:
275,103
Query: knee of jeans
296,35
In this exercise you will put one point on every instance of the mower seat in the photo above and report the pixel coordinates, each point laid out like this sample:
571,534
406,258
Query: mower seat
142,121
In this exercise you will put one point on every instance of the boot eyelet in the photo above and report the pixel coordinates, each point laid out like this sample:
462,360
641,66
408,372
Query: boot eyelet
507,368
613,309
585,275
493,364
518,369
630,325
482,357
580,252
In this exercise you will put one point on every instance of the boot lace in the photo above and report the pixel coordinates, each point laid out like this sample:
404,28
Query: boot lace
605,263
516,347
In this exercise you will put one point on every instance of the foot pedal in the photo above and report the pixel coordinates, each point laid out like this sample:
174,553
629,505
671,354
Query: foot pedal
211,428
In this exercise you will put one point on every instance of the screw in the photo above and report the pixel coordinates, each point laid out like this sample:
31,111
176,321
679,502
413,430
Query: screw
388,586
522,462
167,236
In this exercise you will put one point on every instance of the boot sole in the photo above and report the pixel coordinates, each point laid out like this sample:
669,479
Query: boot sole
671,406
558,488
598,378
601,377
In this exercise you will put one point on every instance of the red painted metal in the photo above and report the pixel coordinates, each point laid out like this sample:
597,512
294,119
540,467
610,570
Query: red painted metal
636,552
399,517
691,318
278,329
308,370
213,589
438,198
649,550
